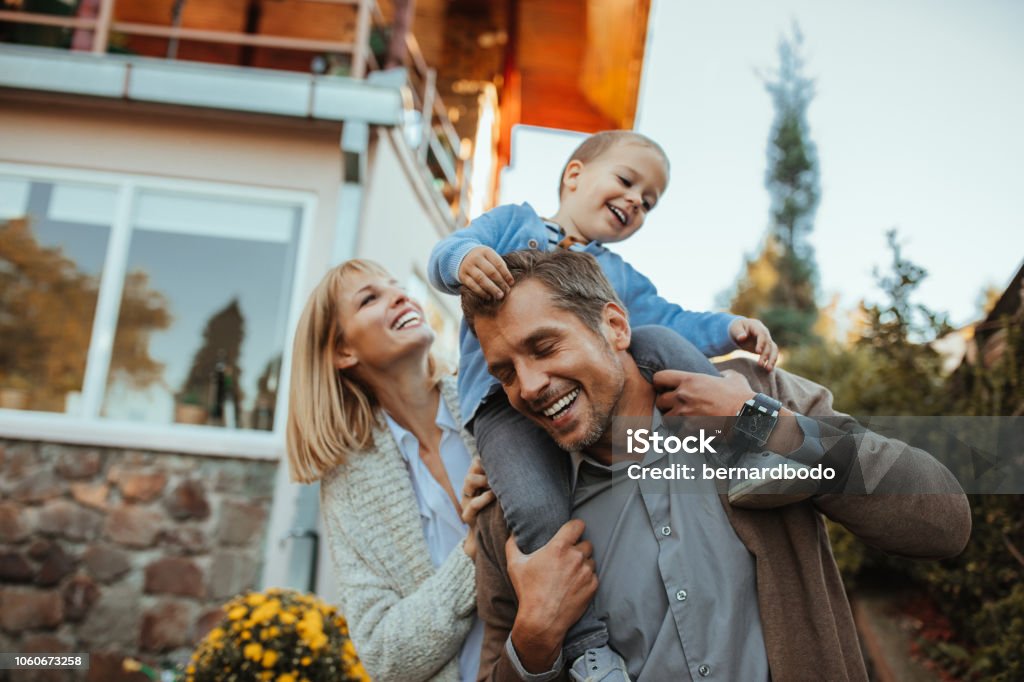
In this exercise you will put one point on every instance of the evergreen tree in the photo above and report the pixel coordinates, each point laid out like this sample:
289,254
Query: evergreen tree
779,284
222,345
892,370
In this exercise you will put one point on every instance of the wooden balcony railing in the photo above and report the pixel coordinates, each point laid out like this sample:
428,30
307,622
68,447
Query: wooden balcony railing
439,148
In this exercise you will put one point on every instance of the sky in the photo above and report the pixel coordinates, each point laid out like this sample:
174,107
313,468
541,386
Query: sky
918,121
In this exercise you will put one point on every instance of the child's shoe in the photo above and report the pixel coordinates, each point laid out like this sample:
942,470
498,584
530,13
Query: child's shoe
599,665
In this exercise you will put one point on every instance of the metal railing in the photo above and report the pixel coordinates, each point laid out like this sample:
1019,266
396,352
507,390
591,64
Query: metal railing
103,24
439,148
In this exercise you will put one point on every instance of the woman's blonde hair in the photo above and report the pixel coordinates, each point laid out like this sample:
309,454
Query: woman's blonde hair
330,413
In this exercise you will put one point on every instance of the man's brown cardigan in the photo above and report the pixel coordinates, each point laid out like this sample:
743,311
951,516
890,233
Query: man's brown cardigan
807,622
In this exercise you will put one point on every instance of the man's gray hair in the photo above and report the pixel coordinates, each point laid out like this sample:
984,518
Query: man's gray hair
574,279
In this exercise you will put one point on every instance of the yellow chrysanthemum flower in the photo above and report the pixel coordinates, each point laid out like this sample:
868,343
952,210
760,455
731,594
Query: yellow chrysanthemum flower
265,611
261,629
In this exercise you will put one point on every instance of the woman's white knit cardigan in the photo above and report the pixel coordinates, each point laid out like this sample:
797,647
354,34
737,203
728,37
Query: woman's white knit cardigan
406,619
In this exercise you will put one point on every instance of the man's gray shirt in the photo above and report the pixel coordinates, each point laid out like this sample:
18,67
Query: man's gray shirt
677,588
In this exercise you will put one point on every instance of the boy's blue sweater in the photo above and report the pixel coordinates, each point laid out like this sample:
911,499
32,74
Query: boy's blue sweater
512,228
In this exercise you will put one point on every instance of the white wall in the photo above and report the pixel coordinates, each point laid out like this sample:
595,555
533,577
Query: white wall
532,175
260,152
400,222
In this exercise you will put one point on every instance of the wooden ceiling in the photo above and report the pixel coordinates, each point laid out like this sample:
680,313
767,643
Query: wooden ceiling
549,56
570,64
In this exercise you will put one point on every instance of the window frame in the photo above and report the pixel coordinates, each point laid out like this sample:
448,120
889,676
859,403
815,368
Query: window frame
91,428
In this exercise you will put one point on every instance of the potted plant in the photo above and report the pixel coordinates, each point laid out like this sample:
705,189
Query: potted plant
190,409
279,635
14,391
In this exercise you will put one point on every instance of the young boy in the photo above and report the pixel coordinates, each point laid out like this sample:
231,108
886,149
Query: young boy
609,185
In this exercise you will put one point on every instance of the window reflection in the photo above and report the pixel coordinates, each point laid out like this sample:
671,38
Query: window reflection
53,242
221,271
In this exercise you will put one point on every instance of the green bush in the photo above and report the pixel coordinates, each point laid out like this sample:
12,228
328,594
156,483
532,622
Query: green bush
890,371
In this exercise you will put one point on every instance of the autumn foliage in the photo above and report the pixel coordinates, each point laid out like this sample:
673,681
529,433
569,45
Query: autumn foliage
47,311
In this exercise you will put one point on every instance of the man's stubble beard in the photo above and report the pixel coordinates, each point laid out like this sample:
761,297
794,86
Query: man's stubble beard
602,414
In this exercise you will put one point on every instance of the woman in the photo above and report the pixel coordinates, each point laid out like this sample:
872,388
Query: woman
375,421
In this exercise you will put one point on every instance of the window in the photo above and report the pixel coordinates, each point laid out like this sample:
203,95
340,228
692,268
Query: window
53,244
132,300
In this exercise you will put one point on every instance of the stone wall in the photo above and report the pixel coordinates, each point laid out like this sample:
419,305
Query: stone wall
121,552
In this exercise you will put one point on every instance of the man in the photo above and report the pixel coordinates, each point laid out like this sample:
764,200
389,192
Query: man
691,587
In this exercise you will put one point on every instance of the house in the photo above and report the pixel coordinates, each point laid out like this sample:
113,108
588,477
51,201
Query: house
175,177
988,378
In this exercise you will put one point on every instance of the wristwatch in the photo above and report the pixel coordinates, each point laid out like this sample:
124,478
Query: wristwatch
755,421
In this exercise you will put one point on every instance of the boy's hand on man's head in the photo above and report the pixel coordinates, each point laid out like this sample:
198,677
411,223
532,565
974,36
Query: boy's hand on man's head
484,273
751,335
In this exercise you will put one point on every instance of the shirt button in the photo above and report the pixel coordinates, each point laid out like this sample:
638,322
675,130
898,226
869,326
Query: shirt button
704,670
532,243
666,530
681,595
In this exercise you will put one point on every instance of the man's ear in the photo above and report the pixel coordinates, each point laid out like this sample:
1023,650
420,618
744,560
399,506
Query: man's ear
618,329
571,176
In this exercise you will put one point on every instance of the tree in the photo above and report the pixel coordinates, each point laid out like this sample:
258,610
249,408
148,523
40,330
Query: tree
143,311
779,284
890,369
897,333
893,370
222,345
47,307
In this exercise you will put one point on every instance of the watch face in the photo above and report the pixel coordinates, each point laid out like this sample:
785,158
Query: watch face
756,423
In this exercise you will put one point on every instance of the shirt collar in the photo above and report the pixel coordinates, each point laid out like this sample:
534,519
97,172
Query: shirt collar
567,242
577,458
404,437
444,417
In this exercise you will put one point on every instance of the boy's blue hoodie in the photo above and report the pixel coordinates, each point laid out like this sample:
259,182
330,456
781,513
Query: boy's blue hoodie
512,228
